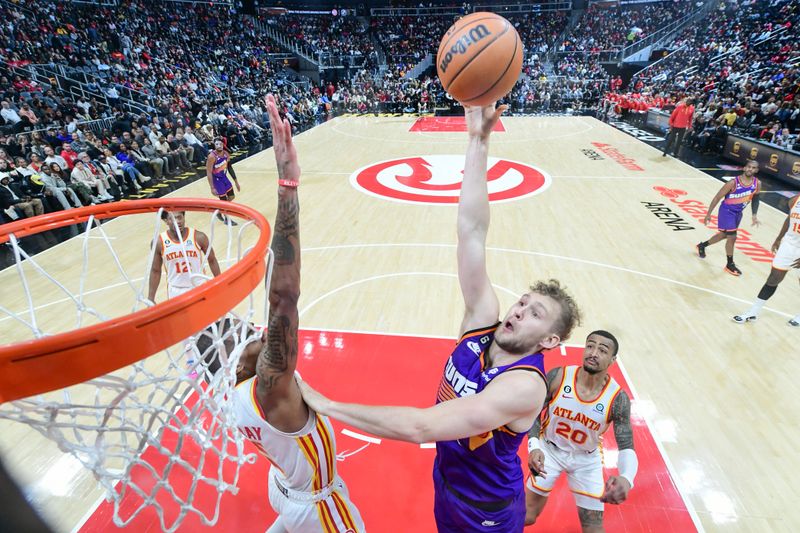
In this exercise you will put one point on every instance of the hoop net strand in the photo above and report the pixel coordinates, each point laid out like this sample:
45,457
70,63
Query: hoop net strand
158,435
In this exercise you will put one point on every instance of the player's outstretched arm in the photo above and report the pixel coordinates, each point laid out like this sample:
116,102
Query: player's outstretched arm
278,358
755,203
205,245
725,189
785,226
508,398
781,233
209,171
155,272
480,302
617,487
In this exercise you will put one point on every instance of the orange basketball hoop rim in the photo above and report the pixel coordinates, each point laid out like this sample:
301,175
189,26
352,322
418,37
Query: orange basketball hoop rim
53,362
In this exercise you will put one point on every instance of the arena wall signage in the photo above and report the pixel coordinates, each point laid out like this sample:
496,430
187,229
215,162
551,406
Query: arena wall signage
636,132
784,164
657,120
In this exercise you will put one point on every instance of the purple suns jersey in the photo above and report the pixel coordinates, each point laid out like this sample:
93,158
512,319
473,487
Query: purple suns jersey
486,467
741,195
220,168
219,174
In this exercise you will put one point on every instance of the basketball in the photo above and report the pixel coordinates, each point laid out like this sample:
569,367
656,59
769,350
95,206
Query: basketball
479,59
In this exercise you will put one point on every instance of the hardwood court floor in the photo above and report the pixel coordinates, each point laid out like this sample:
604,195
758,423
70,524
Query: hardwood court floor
611,218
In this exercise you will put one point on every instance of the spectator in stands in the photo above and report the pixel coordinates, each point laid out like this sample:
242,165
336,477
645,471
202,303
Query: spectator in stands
36,162
121,174
728,118
156,164
172,156
769,107
83,192
69,155
94,146
58,188
113,95
185,152
35,188
785,139
83,175
12,119
150,151
195,143
27,113
51,157
107,170
79,143
13,197
769,133
129,166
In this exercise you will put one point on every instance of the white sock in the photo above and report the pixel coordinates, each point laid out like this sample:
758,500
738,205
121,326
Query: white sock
796,318
756,307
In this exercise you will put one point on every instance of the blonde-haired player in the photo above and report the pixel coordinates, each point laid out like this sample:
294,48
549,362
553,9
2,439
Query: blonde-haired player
304,487
582,402
179,251
787,255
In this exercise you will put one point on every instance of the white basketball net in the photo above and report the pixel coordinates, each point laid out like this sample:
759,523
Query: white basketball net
154,434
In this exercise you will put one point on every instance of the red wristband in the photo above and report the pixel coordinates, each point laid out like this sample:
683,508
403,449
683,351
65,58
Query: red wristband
288,183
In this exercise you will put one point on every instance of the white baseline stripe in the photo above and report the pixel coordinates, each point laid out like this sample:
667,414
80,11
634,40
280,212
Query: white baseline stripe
85,518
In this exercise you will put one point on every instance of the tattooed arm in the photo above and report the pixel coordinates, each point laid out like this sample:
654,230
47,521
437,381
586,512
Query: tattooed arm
617,487
277,389
621,418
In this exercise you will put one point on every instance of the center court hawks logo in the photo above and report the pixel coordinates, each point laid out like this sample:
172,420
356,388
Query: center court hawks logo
436,179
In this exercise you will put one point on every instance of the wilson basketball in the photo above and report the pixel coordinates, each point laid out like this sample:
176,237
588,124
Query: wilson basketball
479,59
